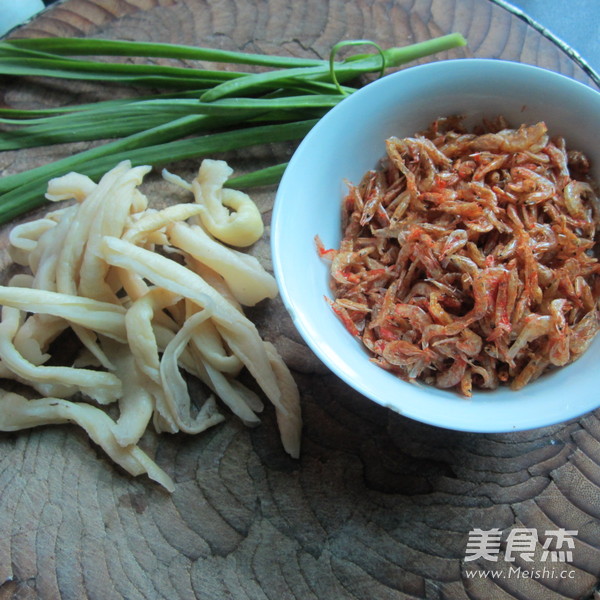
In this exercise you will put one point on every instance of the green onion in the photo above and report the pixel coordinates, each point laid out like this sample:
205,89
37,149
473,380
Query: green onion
155,75
123,119
346,43
46,65
394,57
232,109
262,177
97,47
163,133
28,114
30,195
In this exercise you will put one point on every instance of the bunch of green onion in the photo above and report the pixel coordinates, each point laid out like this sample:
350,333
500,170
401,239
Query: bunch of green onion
198,112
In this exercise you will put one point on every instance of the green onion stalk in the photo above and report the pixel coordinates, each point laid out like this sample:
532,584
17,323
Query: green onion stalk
197,113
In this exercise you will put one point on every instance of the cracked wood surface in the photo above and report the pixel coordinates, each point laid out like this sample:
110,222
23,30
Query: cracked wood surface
378,507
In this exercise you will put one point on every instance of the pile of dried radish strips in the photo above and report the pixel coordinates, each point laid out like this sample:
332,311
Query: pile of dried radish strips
149,293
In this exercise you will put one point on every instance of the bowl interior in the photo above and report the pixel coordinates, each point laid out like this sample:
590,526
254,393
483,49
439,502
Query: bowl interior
348,141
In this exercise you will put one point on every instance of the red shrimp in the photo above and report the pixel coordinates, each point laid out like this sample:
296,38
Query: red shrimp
573,193
417,317
452,376
532,370
344,317
408,356
488,162
467,260
583,333
558,337
323,252
374,196
534,187
535,326
510,140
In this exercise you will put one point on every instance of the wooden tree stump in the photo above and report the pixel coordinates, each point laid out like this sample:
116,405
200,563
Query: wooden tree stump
378,507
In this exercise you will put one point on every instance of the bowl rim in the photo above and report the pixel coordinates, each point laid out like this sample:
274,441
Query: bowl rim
277,231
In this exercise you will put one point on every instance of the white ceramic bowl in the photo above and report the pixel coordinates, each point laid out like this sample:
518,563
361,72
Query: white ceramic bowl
347,142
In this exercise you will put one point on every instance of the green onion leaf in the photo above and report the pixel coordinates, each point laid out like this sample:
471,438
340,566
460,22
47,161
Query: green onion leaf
30,194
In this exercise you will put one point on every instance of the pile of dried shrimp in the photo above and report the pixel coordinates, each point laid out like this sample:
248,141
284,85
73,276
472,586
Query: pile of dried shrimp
467,258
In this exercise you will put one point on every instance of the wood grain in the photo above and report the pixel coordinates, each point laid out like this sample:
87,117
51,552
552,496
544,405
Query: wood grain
378,507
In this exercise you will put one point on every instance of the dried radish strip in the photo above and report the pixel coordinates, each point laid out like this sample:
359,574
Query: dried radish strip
240,226
290,422
17,412
246,278
103,317
239,333
99,385
150,294
110,220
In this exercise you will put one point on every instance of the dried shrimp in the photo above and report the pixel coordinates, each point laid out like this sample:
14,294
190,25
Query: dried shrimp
467,257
